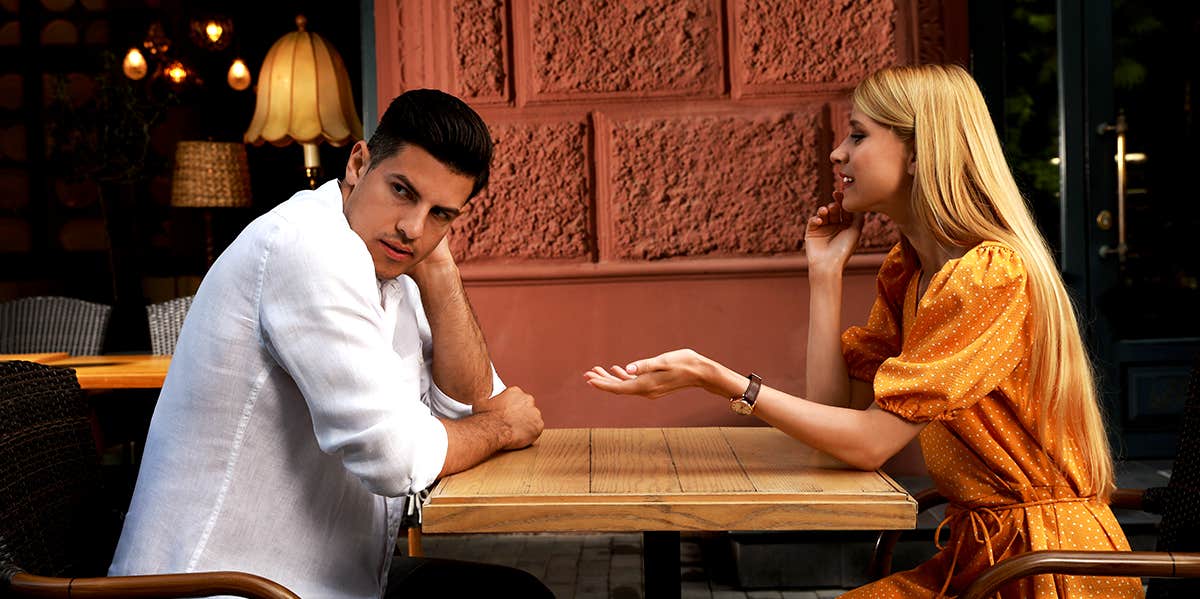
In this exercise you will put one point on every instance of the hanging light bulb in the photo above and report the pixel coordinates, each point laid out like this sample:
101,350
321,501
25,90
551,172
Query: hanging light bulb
134,65
213,30
239,75
176,72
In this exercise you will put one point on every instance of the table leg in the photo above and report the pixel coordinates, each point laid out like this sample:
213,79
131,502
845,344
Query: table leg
660,564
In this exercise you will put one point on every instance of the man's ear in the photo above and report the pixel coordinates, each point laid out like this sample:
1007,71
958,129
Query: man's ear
356,166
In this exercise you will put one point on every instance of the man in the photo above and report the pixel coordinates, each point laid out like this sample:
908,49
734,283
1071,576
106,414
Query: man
330,363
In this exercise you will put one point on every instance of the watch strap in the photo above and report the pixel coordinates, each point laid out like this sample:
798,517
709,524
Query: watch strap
744,404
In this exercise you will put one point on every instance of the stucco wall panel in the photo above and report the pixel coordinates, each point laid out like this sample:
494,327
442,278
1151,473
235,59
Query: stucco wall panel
667,47
816,42
481,69
537,205
718,185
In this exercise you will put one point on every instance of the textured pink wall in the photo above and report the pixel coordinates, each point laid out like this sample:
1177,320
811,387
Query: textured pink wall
628,48
656,161
538,202
673,197
816,42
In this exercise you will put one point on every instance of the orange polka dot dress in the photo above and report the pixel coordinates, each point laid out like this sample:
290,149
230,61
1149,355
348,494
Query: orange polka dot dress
957,358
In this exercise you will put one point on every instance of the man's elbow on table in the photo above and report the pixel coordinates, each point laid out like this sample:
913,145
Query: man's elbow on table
396,464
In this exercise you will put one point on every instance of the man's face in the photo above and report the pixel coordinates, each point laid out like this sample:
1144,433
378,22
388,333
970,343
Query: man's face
403,207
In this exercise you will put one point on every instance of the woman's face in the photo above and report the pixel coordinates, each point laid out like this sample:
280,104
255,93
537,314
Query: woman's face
873,168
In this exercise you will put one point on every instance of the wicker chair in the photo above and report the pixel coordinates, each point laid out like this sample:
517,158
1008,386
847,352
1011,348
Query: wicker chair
52,324
1178,546
51,519
166,319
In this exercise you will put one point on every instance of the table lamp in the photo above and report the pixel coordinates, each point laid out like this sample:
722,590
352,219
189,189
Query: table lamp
304,96
210,174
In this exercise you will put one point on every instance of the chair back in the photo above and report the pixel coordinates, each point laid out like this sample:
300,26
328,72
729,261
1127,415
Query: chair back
1180,527
51,519
166,319
53,324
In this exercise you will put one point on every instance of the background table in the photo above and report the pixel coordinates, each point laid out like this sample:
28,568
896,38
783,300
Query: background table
41,358
117,371
661,482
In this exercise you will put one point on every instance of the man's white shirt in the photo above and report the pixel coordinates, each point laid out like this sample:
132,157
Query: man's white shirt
299,401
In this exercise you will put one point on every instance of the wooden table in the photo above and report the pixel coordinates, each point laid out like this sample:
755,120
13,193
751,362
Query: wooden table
41,358
663,481
117,371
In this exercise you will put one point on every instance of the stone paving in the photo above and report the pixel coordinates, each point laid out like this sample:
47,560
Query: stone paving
594,566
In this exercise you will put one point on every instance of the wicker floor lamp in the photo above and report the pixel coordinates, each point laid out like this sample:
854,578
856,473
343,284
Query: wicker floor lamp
210,174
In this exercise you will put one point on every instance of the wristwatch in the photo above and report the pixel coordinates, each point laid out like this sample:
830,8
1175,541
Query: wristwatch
744,405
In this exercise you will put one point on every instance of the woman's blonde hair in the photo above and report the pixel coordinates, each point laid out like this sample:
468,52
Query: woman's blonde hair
964,193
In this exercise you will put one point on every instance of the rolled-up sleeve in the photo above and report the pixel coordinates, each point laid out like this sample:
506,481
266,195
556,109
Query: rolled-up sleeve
322,322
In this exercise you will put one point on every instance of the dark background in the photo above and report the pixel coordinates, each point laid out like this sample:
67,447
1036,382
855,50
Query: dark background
94,220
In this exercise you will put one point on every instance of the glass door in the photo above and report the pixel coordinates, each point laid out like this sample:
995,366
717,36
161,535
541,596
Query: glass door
1095,104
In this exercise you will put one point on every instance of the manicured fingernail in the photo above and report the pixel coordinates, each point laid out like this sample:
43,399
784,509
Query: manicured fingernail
631,368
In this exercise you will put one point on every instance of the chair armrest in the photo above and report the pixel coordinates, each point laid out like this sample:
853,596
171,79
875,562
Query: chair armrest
1129,499
885,545
165,586
1084,563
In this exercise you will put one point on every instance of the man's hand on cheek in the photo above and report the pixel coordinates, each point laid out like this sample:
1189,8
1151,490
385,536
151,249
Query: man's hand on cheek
439,261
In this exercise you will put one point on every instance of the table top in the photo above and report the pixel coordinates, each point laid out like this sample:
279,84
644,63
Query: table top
668,479
41,358
117,371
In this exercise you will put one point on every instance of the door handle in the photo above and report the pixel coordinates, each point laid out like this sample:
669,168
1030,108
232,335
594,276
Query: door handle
1119,128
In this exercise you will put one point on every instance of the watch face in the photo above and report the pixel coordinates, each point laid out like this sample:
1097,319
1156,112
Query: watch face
741,406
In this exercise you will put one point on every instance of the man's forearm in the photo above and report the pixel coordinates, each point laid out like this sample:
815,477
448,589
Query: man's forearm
472,440
461,366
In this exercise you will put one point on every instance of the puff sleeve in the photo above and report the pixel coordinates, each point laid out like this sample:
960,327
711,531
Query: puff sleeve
866,347
969,334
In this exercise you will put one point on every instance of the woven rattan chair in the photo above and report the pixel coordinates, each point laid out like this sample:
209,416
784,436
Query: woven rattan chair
166,319
1178,546
52,522
52,324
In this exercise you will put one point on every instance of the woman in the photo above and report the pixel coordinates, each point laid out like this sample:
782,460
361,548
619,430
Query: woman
972,345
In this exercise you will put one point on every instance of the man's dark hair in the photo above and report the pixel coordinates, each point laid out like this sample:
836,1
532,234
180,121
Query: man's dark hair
440,124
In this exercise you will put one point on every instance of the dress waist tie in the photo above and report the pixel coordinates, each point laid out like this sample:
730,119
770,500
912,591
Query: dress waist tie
980,518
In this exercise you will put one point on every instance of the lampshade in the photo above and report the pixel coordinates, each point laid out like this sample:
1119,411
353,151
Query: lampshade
304,96
210,174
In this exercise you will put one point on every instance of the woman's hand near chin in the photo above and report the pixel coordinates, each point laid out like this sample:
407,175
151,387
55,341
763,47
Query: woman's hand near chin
831,237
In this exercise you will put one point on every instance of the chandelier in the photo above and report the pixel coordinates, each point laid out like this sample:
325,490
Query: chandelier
156,59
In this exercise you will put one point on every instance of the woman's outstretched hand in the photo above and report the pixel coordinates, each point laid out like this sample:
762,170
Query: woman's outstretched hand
832,235
654,377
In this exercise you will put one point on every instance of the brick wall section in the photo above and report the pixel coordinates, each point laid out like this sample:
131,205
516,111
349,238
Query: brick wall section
647,130
816,41
538,203
669,46
671,198
479,51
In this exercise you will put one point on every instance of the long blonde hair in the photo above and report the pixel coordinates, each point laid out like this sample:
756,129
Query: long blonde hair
964,193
